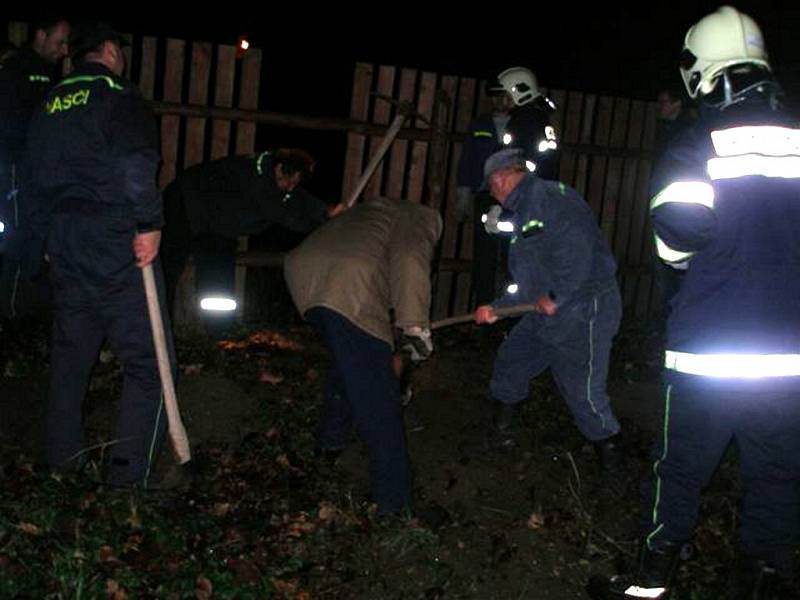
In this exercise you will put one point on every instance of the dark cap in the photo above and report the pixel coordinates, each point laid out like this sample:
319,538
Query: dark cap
507,158
88,35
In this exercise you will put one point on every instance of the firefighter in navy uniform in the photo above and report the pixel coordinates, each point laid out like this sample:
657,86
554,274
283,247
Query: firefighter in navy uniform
90,167
25,78
729,203
529,125
208,206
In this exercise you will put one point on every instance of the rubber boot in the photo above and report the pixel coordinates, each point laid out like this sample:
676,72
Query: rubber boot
653,578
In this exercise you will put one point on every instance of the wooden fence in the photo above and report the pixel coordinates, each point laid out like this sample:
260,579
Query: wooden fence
207,103
606,145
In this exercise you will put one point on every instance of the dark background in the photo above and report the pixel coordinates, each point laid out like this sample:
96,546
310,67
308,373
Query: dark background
309,51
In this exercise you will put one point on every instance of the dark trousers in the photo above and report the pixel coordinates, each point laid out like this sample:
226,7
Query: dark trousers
99,294
575,344
489,255
362,391
214,255
702,417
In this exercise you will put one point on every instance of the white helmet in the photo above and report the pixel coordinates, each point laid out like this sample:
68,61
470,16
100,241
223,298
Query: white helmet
520,83
725,38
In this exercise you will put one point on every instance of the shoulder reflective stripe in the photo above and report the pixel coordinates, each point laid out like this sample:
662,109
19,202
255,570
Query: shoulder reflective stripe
668,255
761,139
635,591
488,134
688,192
730,167
83,78
260,160
43,78
534,223
749,366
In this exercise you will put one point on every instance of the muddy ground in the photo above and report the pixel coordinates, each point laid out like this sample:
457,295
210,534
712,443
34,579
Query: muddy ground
263,519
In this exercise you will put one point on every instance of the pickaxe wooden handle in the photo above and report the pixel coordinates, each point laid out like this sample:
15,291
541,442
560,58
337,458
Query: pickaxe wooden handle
404,110
510,311
177,433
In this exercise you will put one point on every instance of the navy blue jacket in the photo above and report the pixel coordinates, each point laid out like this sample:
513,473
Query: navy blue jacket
728,200
93,147
529,127
238,195
480,144
557,248
25,79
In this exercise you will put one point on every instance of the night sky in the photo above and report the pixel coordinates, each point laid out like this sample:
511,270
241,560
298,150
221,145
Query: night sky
309,52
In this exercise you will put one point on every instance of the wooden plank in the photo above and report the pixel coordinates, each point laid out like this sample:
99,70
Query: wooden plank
170,126
642,233
223,96
464,113
248,99
419,150
381,114
398,154
245,143
627,199
559,97
570,132
598,163
587,123
147,70
127,51
611,190
464,107
359,110
198,94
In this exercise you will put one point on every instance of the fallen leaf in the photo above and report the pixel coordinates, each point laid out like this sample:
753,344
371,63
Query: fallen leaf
29,528
106,554
267,377
114,591
327,511
221,509
203,590
192,369
536,520
283,461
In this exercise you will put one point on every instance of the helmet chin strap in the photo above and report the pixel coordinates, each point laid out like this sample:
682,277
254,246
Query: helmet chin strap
768,88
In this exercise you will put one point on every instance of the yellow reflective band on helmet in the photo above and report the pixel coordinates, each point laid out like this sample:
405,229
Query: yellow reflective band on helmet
748,366
731,167
635,591
488,134
688,192
668,255
260,160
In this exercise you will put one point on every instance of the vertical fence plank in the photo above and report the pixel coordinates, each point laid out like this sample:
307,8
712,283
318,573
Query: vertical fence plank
644,299
398,154
359,110
419,150
170,125
570,134
598,162
613,180
223,96
147,71
382,111
18,33
200,71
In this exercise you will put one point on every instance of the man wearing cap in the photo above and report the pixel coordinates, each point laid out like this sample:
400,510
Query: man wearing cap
90,166
561,263
25,78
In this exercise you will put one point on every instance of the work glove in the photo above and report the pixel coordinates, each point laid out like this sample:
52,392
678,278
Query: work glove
491,218
417,343
463,204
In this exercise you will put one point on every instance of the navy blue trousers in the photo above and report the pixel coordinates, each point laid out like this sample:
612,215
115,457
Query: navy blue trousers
363,392
575,344
99,294
702,417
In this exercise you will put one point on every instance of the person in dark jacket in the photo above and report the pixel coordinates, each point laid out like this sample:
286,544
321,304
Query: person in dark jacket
561,263
484,138
728,205
209,206
26,76
90,169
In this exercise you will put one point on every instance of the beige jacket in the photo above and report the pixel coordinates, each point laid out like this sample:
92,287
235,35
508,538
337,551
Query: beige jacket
368,260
